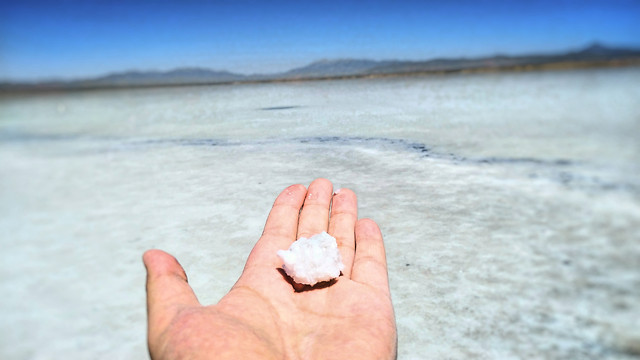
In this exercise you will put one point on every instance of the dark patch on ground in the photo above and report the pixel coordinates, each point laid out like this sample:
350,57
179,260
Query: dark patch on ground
279,108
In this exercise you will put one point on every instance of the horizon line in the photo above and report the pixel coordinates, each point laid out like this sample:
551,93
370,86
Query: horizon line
267,75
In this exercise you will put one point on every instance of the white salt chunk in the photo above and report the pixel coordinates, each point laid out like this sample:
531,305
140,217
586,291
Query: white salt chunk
313,260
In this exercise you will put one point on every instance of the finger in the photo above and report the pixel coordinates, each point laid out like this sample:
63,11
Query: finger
342,223
370,263
167,290
280,229
314,217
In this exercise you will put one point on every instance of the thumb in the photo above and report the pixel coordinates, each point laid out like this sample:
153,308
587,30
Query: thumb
167,290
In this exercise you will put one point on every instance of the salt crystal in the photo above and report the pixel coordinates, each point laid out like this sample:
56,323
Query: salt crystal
313,260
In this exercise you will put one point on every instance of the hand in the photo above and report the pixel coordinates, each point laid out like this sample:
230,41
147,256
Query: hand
263,316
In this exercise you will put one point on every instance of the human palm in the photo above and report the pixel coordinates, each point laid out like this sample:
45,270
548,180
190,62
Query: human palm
266,315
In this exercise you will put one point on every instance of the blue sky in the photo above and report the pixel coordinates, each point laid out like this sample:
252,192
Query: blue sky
74,39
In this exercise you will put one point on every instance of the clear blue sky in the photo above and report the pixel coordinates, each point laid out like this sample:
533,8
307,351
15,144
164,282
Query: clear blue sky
71,39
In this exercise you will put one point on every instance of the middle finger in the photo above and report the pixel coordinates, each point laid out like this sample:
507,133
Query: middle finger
314,217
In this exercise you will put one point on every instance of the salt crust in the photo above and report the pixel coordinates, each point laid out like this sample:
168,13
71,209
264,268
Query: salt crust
313,260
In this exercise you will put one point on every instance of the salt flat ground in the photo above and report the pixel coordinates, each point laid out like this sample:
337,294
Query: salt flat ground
510,205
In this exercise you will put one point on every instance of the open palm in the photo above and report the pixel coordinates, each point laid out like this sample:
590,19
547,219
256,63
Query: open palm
266,315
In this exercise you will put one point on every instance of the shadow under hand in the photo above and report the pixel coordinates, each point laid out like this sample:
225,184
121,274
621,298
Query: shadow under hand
304,287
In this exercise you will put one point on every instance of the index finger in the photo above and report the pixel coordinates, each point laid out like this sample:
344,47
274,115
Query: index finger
280,229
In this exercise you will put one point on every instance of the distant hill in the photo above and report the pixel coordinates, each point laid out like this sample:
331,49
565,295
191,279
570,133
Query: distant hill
180,76
177,76
591,56
599,51
594,54
342,67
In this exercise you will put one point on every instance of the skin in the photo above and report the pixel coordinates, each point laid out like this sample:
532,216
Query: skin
267,316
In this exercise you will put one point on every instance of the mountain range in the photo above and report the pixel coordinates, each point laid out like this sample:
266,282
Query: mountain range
592,56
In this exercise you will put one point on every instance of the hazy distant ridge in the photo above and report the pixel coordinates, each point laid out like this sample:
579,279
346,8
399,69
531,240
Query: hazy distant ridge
592,53
595,54
177,76
340,67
